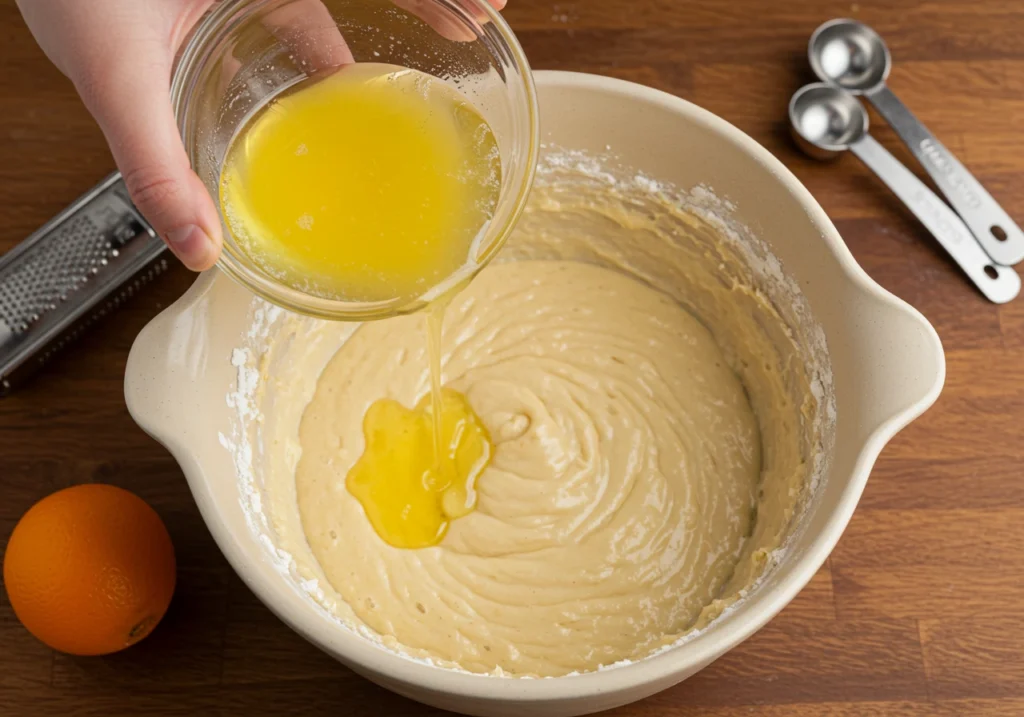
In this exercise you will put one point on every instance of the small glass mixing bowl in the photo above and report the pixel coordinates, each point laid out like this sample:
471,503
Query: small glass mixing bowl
246,52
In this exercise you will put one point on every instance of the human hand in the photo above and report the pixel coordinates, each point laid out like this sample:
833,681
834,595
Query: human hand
120,55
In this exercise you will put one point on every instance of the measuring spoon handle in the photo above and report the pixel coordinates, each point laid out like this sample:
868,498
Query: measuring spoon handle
999,283
997,233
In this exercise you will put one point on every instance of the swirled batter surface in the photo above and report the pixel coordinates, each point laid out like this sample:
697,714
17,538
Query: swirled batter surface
645,371
620,493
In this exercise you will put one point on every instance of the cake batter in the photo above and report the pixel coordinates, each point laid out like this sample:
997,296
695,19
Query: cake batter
653,426
621,487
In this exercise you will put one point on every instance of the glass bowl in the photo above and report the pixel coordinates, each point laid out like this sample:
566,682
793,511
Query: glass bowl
245,52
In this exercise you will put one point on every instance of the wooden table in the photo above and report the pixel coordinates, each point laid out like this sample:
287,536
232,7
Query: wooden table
920,609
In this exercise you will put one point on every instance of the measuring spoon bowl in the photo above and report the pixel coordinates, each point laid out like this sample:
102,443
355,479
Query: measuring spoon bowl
851,55
826,120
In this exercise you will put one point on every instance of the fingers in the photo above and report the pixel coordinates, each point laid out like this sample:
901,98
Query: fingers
443,21
474,8
129,97
307,27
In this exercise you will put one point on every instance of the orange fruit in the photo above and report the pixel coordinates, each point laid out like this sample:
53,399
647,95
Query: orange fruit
89,570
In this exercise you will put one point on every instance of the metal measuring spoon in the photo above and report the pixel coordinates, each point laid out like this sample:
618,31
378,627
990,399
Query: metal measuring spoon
851,55
827,120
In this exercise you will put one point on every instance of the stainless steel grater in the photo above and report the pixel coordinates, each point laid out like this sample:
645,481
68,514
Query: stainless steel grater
78,267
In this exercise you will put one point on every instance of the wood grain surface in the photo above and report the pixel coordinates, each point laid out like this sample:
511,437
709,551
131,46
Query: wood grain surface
920,609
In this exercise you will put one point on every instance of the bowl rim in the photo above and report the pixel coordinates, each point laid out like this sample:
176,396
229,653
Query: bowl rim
363,655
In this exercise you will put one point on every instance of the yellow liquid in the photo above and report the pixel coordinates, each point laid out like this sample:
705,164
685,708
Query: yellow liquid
369,185
408,497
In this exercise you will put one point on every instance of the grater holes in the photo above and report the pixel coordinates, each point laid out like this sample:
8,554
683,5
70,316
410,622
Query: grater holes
39,280
107,307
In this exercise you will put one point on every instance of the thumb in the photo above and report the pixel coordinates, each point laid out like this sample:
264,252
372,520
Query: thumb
130,99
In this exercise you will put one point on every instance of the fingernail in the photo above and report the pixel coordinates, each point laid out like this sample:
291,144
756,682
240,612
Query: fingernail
192,246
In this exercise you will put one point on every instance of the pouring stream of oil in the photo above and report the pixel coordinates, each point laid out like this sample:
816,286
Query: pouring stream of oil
435,332
368,185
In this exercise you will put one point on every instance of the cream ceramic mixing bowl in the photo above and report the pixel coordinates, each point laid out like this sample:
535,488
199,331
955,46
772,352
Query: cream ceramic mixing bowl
186,386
